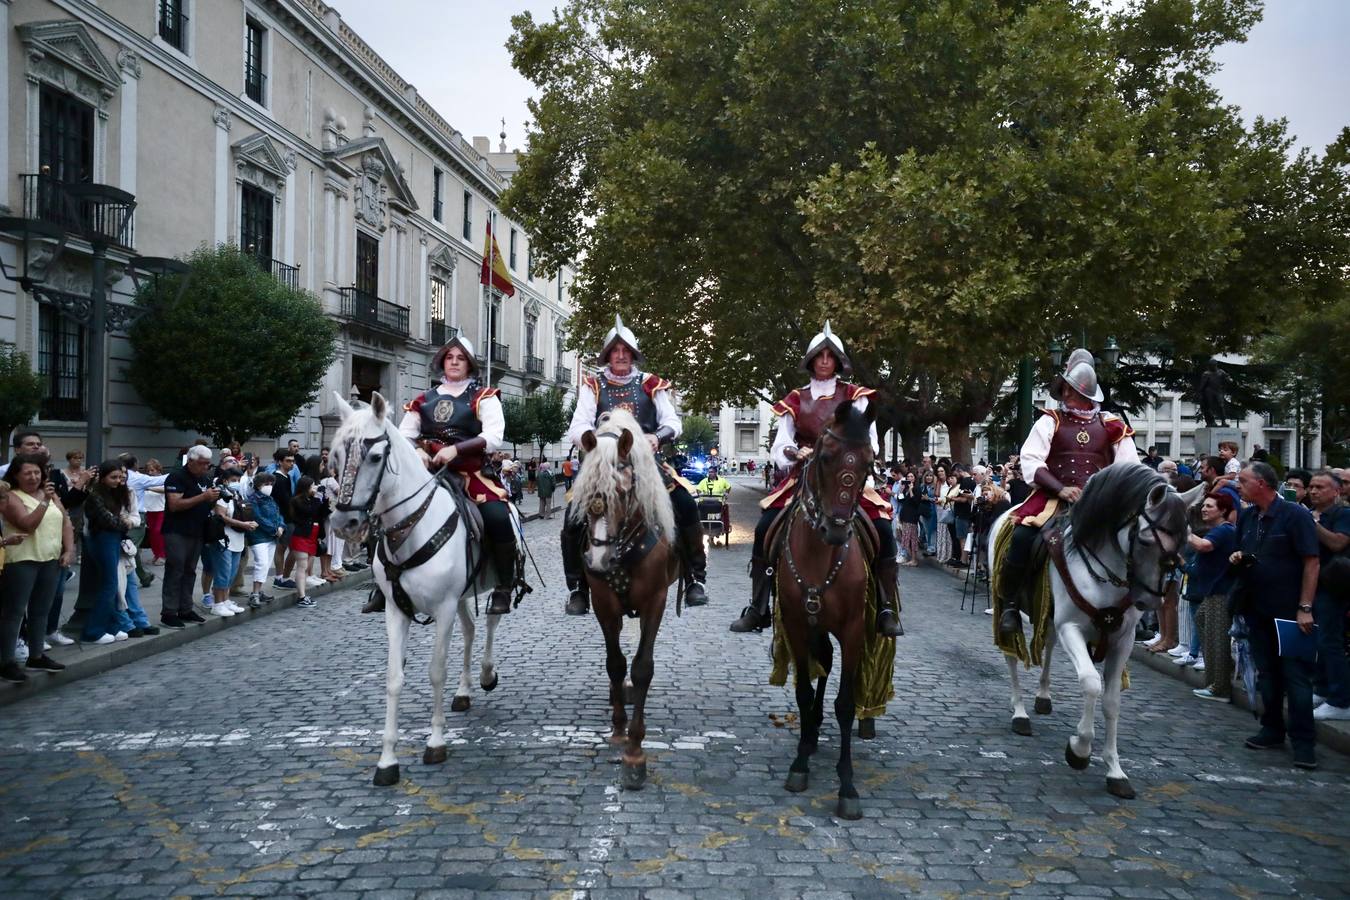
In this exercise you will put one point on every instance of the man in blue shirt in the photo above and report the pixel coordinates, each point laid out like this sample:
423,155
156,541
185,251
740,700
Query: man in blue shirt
1277,563
1333,534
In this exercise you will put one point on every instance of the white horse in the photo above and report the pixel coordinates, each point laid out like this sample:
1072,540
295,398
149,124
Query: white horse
382,480
1125,534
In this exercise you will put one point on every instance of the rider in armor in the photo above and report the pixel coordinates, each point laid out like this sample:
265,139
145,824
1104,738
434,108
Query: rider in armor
622,385
458,423
803,415
1066,446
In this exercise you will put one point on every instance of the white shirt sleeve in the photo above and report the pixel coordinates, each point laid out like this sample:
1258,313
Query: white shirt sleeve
1127,452
1036,448
410,426
494,423
786,437
861,406
666,416
583,417
134,510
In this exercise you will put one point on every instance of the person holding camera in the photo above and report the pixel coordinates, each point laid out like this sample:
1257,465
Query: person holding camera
188,498
1277,565
1333,595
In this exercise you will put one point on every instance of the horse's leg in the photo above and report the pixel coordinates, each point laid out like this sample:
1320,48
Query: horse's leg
1021,723
799,774
435,752
850,653
1079,750
396,627
464,693
616,665
1043,705
634,759
1116,781
487,677
825,657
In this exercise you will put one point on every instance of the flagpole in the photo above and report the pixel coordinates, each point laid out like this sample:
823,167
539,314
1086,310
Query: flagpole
487,293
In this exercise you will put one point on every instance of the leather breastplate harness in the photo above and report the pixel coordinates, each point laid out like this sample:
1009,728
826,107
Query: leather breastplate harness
1079,450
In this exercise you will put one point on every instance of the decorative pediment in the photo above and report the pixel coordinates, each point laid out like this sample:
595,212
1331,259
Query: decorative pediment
379,180
63,53
443,258
532,308
260,162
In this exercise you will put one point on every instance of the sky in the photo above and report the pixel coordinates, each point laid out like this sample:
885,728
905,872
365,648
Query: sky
1295,64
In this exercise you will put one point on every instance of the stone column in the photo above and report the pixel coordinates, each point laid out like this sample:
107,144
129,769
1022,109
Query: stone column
222,225
130,64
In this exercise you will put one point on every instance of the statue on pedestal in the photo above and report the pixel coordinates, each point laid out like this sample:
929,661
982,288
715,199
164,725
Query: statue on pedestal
1212,390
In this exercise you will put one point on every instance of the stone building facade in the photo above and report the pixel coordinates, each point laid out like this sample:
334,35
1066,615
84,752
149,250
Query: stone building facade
271,125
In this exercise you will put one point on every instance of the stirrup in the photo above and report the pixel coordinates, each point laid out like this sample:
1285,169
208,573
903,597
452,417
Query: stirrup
1010,622
751,620
578,604
375,603
695,594
892,629
500,603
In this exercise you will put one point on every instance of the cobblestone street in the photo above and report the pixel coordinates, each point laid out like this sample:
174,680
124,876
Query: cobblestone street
241,765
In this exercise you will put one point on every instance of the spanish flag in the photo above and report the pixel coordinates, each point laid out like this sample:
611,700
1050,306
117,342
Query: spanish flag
494,266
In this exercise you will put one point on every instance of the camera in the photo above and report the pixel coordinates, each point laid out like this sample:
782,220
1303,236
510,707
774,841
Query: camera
1246,561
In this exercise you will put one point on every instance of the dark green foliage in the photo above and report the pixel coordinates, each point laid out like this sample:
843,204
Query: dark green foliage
21,391
237,356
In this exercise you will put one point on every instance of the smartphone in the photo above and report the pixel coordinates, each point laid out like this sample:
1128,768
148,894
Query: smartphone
1289,494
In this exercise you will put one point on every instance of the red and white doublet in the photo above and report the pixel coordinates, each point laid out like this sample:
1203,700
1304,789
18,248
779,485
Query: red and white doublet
804,415
644,395
455,412
1065,450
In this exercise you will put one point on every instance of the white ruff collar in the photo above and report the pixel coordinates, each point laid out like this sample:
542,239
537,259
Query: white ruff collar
1081,414
620,379
824,388
455,387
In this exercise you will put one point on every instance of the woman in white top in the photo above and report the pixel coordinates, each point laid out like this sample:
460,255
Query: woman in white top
154,513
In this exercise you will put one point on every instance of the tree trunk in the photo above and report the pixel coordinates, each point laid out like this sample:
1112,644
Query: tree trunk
958,436
911,438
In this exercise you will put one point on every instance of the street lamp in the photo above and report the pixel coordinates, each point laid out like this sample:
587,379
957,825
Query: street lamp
1056,353
1111,353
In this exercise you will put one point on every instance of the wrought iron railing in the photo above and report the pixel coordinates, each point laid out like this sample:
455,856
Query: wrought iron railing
534,365
562,374
370,310
441,332
96,212
255,85
501,354
173,24
287,275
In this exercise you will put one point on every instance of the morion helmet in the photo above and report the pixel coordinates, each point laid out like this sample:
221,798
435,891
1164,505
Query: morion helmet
463,343
1080,374
619,333
827,340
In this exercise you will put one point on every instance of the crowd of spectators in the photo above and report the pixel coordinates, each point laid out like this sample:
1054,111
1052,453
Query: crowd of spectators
221,516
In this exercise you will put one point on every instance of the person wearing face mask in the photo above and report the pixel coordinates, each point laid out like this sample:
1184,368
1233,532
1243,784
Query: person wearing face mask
226,552
262,541
308,513
1066,446
457,424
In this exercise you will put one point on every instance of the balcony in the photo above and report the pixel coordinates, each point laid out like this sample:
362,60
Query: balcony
747,414
441,332
562,374
98,213
534,367
287,275
371,311
501,354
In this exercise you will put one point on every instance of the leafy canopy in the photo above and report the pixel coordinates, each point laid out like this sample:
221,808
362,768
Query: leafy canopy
238,355
21,391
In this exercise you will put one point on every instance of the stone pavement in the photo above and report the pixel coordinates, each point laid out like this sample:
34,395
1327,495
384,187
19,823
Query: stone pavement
241,765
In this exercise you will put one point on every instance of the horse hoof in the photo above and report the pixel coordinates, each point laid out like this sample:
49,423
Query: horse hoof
433,756
797,781
1074,760
634,776
1120,787
1043,706
1022,725
385,776
460,704
848,808
491,686
867,730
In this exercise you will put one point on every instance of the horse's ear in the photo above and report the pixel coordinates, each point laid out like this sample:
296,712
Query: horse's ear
343,407
1194,495
841,412
379,406
625,443
1157,494
588,441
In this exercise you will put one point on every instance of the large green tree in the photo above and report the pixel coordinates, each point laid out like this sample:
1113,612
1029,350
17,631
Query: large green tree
238,355
20,392
550,417
952,182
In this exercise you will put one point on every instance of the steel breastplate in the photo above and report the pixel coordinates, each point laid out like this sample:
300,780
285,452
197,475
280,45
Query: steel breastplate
448,418
629,396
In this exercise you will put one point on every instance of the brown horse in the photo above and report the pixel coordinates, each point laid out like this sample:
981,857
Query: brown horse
629,562
822,589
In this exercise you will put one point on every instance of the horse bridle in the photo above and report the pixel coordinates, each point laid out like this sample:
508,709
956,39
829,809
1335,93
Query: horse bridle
630,533
1166,565
348,485
815,513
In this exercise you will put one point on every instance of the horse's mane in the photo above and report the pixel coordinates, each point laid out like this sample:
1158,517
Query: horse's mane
598,476
1111,498
361,418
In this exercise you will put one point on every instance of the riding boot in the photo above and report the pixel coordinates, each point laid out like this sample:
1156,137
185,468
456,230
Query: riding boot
1010,585
756,616
504,561
578,600
691,536
888,599
375,603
